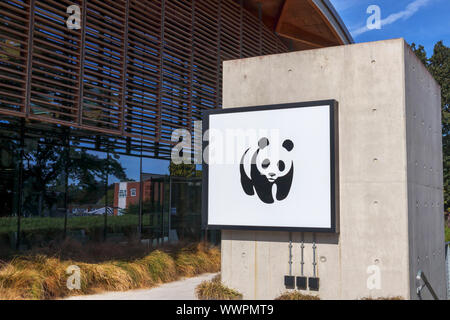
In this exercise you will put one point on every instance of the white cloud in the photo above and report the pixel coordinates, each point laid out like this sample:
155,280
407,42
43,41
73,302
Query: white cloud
410,10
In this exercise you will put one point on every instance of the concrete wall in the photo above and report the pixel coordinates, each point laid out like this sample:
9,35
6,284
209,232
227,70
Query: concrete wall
425,176
368,81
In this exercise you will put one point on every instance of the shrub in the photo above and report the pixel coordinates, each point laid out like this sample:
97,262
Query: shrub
296,295
20,284
36,277
138,274
160,266
104,277
215,290
196,259
40,276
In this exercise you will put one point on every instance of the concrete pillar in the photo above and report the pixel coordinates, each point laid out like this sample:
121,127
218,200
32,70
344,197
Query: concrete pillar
390,165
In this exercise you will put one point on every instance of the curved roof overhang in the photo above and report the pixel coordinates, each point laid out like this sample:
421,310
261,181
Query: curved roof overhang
302,24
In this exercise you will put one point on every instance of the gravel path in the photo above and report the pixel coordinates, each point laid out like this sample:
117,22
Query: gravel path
177,290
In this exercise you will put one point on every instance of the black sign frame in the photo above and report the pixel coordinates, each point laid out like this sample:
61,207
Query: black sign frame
334,166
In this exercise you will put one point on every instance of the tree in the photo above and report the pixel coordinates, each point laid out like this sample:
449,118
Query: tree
184,170
439,66
420,53
8,170
45,168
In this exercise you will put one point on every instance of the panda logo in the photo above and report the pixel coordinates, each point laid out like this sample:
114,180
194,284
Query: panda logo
270,178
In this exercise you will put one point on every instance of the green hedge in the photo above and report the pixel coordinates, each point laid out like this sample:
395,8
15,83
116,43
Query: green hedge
40,231
8,225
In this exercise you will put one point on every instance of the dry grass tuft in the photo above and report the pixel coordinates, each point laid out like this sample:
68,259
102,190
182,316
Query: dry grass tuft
138,273
296,295
215,290
44,277
36,277
104,277
160,266
196,259
383,298
25,284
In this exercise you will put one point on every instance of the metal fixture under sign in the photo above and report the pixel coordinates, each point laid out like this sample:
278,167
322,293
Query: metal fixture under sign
289,281
301,280
313,282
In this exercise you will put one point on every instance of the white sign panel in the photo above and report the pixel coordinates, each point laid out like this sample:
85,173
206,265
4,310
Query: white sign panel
271,167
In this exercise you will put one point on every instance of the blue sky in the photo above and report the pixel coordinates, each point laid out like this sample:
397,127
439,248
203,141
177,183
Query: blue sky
131,166
421,21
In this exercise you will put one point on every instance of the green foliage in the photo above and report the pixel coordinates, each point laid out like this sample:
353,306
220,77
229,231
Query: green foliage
47,164
8,169
420,53
447,234
439,66
184,170
9,224
101,201
147,207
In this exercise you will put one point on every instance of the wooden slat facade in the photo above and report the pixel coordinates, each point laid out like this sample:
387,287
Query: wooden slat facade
137,69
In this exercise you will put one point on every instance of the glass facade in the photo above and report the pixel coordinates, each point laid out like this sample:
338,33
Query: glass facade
55,187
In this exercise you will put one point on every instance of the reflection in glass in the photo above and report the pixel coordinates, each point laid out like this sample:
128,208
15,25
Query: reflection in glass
74,190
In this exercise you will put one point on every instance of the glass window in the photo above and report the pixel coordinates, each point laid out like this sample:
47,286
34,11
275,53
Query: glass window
88,194
123,223
9,172
123,193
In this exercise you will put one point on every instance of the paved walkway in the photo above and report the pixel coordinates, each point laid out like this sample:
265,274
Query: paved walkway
177,290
